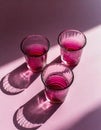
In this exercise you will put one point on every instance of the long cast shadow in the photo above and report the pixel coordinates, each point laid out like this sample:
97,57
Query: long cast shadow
34,113
38,110
17,80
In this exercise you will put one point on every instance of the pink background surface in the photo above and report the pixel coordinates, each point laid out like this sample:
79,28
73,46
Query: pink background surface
18,18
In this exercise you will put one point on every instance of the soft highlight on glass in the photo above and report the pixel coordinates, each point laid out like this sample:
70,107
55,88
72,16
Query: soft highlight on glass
71,44
35,48
57,79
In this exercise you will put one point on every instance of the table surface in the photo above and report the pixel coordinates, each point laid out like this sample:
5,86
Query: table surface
82,107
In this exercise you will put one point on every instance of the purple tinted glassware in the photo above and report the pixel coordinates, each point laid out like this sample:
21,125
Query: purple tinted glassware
57,79
71,44
35,48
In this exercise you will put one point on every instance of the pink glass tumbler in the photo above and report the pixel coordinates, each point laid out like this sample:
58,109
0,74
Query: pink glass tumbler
35,48
71,44
57,79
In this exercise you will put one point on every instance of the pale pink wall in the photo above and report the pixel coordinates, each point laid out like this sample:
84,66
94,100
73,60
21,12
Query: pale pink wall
19,18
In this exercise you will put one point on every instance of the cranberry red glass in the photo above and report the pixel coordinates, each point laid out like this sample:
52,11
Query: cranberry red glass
35,48
57,79
71,44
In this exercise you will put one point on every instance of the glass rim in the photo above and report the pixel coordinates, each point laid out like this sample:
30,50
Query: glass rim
57,64
67,30
22,42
